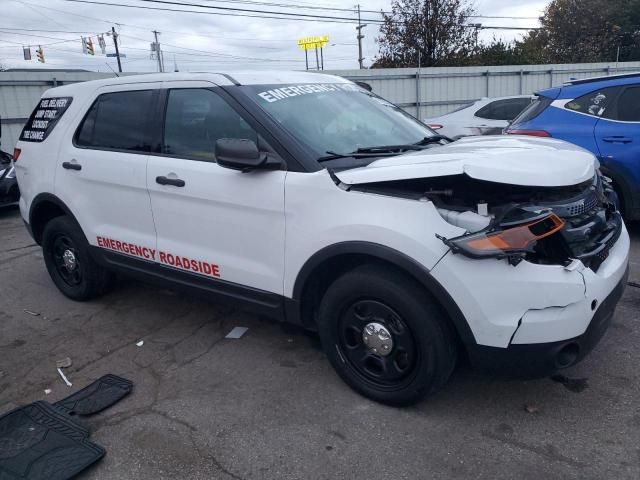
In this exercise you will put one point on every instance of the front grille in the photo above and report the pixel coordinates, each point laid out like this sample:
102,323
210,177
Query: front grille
592,227
583,206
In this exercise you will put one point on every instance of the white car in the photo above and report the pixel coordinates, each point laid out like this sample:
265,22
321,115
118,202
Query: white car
487,116
305,197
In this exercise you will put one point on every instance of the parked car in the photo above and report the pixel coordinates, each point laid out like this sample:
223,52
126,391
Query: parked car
305,197
599,114
487,116
9,192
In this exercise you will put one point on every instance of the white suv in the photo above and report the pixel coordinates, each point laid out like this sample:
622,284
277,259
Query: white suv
308,198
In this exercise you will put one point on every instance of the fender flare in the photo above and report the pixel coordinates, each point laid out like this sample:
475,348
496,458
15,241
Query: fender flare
400,260
47,198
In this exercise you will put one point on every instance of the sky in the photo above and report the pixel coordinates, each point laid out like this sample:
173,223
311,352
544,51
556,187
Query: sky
199,42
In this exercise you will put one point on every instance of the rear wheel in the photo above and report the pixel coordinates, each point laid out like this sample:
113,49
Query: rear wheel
66,255
385,336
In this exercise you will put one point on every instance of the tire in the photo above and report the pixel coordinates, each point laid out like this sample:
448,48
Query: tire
79,277
422,352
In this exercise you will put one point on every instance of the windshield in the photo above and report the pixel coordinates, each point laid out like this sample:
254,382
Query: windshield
338,117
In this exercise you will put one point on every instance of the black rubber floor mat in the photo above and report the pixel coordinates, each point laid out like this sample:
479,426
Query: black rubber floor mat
40,442
94,398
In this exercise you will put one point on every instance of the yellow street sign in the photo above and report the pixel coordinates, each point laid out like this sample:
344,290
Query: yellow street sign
311,43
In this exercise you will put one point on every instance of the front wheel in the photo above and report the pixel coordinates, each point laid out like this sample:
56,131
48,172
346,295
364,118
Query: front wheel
70,265
386,336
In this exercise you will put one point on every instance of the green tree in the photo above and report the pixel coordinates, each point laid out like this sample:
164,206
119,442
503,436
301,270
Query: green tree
437,31
574,31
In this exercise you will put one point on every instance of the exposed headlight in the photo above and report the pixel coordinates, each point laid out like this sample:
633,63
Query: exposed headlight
12,173
506,242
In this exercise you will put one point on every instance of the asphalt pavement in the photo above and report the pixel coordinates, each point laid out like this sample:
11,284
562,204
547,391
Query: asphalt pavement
269,406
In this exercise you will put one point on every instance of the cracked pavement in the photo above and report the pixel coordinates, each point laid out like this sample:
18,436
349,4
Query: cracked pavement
269,406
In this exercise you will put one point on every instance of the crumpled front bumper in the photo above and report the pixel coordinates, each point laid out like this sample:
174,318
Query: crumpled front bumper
533,311
542,359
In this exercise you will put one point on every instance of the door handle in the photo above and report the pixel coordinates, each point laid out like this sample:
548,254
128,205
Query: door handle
176,182
71,166
617,139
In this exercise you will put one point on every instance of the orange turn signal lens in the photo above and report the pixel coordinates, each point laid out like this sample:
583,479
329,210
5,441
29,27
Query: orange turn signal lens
513,239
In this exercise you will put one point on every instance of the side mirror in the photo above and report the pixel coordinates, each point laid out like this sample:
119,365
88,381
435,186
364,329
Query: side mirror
242,154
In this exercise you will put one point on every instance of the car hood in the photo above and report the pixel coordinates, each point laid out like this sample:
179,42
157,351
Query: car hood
512,159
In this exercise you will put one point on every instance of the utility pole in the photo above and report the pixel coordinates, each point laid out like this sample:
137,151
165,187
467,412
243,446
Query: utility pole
158,52
360,37
115,42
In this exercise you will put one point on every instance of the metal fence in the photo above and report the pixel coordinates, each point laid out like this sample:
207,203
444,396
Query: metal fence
424,93
430,92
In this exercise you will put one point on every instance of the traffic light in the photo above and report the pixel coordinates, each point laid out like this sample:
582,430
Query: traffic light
40,54
90,50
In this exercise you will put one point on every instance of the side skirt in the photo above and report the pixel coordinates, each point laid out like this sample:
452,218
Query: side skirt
246,298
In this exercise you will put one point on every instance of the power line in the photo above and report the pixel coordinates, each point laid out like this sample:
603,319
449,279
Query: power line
45,31
342,9
239,12
236,11
147,28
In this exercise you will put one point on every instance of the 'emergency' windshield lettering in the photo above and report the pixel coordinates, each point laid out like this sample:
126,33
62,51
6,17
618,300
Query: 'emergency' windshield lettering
296,90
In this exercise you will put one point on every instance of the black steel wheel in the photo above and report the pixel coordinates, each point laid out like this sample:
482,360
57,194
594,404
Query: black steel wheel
386,336
377,343
67,260
71,267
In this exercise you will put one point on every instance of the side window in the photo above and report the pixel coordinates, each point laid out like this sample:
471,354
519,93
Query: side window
116,120
507,109
196,118
594,103
627,108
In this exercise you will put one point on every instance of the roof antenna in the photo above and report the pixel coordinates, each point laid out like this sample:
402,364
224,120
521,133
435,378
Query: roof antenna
114,72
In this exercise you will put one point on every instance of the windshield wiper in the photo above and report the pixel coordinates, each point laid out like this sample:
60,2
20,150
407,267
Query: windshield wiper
433,139
419,145
357,154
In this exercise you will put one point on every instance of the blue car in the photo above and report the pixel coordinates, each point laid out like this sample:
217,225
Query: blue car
601,115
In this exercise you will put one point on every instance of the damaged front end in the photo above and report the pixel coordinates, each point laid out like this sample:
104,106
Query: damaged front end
542,225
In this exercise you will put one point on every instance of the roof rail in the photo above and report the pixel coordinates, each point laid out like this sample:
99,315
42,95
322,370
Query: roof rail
599,79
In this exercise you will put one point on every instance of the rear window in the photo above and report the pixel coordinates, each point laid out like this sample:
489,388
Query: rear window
117,121
44,118
535,108
506,109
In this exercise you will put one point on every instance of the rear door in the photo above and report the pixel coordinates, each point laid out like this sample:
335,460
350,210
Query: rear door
102,167
618,137
214,222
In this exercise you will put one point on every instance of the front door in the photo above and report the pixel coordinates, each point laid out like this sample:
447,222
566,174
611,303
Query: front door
211,221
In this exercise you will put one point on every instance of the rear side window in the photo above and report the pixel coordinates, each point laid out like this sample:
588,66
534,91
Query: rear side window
506,109
44,118
195,119
535,108
117,121
594,103
627,106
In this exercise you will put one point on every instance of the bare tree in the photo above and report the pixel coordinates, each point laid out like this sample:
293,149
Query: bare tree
436,30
